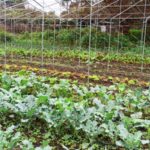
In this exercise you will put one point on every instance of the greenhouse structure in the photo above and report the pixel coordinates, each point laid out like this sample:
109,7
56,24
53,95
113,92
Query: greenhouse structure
75,74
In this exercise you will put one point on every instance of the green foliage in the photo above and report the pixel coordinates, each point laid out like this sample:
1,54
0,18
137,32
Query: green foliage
76,116
135,35
71,38
6,36
66,37
131,57
25,35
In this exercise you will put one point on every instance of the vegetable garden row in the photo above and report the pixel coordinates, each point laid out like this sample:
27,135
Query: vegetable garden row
49,113
56,109
77,78
124,68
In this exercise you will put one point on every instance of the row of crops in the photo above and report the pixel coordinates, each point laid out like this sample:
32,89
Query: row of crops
46,113
76,54
46,103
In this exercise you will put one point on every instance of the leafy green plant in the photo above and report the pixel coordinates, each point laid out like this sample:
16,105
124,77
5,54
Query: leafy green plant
76,116
8,37
135,35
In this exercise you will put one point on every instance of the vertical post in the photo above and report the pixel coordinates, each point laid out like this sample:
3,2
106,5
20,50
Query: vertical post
119,27
90,40
96,26
11,41
43,24
109,47
80,44
5,40
144,43
143,36
31,48
60,27
54,41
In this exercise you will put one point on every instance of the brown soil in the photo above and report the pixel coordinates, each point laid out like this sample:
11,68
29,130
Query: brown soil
116,69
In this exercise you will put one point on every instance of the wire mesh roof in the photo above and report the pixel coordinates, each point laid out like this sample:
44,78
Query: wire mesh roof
103,10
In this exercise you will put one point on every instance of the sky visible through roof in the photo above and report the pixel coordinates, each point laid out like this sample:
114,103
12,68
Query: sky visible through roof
49,6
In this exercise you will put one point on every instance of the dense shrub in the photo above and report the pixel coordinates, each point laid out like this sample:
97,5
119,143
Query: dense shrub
66,36
49,34
124,41
25,35
135,35
71,38
6,36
